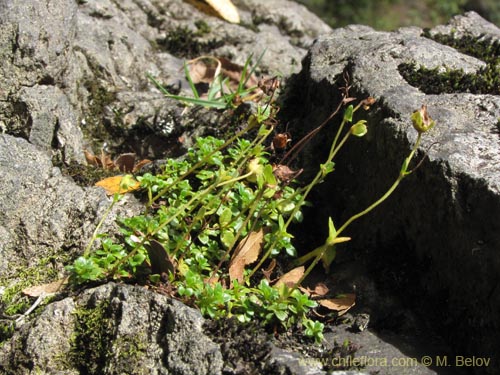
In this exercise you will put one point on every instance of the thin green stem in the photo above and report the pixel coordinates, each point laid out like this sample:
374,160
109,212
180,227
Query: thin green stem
116,198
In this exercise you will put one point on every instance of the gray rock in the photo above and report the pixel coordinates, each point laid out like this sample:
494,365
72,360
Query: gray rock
99,50
113,329
36,40
43,213
441,221
53,121
36,50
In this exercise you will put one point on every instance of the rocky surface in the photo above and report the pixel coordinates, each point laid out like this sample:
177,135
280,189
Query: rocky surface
73,77
436,239
129,329
71,66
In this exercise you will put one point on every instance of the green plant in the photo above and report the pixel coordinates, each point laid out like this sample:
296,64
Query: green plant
219,209
422,123
199,209
219,94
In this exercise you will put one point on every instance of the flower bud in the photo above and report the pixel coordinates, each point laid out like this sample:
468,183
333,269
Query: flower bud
254,169
422,122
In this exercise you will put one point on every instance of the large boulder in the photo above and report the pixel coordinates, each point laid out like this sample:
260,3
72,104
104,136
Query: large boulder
114,329
437,238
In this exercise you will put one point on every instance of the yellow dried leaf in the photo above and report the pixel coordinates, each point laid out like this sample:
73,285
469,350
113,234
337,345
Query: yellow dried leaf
291,277
246,252
225,9
119,184
340,304
49,288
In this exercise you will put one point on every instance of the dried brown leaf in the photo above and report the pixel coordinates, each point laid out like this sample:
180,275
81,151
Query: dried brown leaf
140,164
106,161
125,162
267,272
237,269
320,289
159,259
245,253
91,158
291,278
234,72
47,289
340,304
201,70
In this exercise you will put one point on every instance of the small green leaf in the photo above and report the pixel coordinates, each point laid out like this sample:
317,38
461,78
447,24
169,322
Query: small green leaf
227,238
281,315
327,168
348,113
225,217
269,175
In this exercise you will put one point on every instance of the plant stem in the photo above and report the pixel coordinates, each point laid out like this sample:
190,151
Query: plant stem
402,174
116,198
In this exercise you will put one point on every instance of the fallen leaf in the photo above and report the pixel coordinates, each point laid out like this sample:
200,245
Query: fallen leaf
285,173
320,289
245,253
159,259
267,272
341,304
106,161
234,71
141,164
91,159
118,184
47,289
291,278
206,69
125,162
225,9
201,69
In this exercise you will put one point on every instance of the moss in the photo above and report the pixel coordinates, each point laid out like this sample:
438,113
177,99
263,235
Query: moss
129,351
202,27
184,42
11,300
6,331
94,345
485,81
95,129
85,175
91,341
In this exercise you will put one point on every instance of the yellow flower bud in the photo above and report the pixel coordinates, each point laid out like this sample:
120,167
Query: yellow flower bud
254,169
